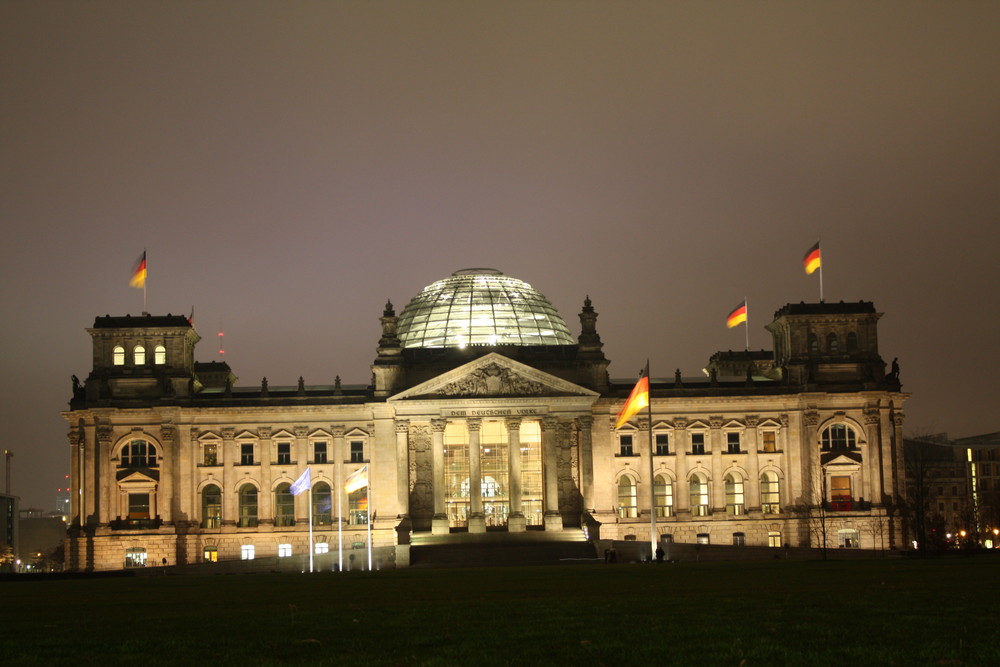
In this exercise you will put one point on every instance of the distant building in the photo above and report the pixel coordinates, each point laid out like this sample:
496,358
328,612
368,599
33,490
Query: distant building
484,414
9,541
63,503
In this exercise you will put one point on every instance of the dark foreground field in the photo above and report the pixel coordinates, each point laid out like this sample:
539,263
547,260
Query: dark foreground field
932,612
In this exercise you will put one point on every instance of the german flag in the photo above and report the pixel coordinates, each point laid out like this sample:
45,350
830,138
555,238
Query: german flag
811,261
139,273
637,400
738,315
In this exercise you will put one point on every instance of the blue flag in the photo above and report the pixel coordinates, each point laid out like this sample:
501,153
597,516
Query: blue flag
302,484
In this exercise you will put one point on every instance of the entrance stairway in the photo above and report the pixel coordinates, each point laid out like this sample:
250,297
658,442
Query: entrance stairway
492,549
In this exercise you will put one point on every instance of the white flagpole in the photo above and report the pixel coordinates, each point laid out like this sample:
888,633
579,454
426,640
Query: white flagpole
371,514
746,324
653,537
311,546
340,526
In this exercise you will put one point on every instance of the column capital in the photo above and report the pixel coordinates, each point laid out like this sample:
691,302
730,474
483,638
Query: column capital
301,431
104,434
513,423
473,424
264,432
549,422
438,425
716,421
402,426
897,417
585,421
811,417
680,423
75,437
228,432
752,421
338,430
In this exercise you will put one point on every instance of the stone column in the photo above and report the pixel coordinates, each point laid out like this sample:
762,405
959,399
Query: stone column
550,464
439,523
586,424
76,439
718,489
885,455
103,501
784,490
682,441
165,496
811,475
477,521
337,494
515,520
899,476
752,487
265,504
301,460
230,494
403,465
869,458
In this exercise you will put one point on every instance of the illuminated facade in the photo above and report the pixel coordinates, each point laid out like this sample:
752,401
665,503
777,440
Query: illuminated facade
484,414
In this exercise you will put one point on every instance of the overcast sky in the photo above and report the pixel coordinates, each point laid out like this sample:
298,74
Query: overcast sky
291,165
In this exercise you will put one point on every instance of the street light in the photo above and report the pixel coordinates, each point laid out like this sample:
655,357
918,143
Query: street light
996,536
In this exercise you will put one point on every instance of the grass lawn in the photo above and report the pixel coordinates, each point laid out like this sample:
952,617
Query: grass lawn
903,612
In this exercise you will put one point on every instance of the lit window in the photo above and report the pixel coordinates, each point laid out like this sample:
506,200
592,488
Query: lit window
625,445
211,555
118,356
284,453
839,437
357,451
319,452
733,443
211,506
139,355
770,502
248,506
284,550
357,507
210,454
734,494
832,343
322,548
321,500
848,539
627,507
662,444
159,355
773,538
663,496
840,493
138,454
697,443
699,495
769,441
246,552
135,557
284,505
702,538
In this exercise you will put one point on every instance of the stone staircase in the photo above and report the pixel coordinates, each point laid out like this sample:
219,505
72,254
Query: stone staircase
493,549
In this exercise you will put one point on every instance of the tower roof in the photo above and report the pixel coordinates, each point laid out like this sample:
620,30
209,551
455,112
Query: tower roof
481,307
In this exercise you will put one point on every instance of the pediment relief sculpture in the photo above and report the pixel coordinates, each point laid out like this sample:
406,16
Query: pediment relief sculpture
493,380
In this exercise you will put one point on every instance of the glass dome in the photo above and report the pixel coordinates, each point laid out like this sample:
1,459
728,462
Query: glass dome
481,307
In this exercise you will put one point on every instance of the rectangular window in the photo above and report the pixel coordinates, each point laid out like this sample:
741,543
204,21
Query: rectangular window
246,454
211,453
840,493
284,550
773,538
322,548
702,538
733,443
739,539
625,445
769,443
662,444
357,451
697,443
138,506
284,453
319,452
246,552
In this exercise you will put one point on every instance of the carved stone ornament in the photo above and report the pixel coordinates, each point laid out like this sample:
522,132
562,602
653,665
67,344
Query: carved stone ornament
167,433
439,425
301,431
338,430
263,432
402,425
680,422
715,421
74,437
228,432
493,380
897,417
811,417
872,416
753,420
104,433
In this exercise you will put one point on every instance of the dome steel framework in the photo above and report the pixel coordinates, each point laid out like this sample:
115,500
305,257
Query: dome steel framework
481,307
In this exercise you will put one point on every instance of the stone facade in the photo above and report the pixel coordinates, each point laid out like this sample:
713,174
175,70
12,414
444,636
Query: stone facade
172,460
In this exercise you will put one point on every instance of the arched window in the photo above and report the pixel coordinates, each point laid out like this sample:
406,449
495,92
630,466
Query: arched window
813,344
284,505
118,356
211,506
770,502
663,495
839,437
357,507
138,454
248,506
321,500
832,343
852,343
139,355
627,506
699,495
159,355
734,494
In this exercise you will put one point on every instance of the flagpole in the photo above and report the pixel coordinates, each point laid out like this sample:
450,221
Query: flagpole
820,271
371,514
311,546
144,282
653,538
746,323
340,524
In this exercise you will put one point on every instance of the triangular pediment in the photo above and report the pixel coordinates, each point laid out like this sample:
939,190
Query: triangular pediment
493,376
841,459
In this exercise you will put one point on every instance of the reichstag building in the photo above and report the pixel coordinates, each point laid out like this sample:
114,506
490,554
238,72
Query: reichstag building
485,414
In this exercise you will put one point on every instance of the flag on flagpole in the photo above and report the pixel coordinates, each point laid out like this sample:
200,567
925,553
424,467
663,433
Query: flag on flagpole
637,400
357,479
302,484
139,273
811,261
738,314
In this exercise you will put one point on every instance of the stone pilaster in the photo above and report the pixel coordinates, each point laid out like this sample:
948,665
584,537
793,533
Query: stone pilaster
718,488
811,476
439,522
338,495
265,499
230,494
301,460
870,482
102,501
682,443
477,520
403,465
752,437
553,519
516,522
586,424
166,495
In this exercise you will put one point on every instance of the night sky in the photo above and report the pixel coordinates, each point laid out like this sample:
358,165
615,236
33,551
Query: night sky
290,166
